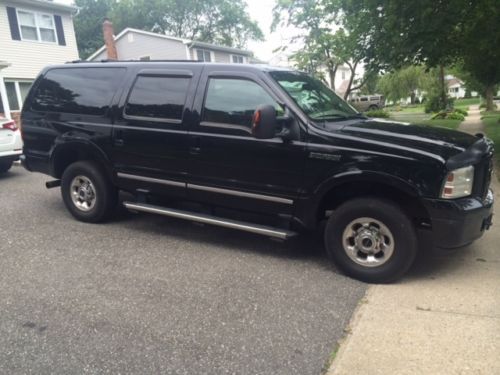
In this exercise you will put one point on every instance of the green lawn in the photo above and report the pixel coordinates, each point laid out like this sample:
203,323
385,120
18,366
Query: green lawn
445,123
491,122
424,119
411,117
406,109
465,103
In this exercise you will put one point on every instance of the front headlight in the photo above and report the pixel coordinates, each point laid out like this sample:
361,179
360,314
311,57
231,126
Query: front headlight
458,183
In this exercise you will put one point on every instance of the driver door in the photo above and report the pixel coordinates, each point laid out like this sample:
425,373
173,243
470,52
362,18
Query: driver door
228,166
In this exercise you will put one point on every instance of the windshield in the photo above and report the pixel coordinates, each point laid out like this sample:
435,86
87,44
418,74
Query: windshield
313,97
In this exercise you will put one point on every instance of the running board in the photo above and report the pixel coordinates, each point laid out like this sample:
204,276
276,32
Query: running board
213,220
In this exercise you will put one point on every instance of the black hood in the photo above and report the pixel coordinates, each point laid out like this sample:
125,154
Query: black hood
436,140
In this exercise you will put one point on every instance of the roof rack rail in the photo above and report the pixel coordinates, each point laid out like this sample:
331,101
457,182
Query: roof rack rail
137,61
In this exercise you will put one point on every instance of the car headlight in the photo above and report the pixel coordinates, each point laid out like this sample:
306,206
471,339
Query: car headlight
458,183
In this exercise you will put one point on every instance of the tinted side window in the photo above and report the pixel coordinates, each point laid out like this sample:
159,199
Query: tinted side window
158,97
86,91
233,101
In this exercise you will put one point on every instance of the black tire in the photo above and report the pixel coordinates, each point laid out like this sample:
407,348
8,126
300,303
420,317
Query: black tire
106,195
373,107
389,215
5,166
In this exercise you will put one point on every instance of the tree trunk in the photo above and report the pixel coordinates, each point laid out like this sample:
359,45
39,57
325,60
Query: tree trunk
443,87
489,97
351,79
332,72
412,97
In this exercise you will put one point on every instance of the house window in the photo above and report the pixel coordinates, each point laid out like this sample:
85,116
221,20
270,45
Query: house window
343,75
12,96
204,55
36,26
237,59
145,58
24,89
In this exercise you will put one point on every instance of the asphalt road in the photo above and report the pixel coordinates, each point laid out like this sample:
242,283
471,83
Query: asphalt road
146,294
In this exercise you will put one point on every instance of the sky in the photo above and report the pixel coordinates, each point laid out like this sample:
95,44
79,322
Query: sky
262,12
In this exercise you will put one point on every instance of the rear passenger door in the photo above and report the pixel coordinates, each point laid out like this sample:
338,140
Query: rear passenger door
150,134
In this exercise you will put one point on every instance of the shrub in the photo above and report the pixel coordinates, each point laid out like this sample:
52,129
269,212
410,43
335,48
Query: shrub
439,115
434,103
461,111
483,105
455,116
380,113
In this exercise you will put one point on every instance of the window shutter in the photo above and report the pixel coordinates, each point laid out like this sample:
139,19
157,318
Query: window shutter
59,30
14,26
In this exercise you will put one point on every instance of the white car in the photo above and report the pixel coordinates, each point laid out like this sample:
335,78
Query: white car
11,144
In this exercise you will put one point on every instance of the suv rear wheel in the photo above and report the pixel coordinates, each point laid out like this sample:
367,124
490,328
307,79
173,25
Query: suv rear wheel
371,239
87,192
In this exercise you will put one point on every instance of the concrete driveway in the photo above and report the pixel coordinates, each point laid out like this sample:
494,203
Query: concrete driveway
147,294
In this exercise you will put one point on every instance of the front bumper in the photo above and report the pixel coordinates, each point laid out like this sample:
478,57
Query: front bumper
456,223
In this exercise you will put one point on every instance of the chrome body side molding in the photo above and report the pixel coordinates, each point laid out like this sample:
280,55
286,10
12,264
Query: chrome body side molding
210,189
238,193
151,179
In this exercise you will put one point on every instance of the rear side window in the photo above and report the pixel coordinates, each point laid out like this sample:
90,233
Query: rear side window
157,98
86,91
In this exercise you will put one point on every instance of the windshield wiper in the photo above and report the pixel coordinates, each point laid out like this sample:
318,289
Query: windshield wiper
339,117
327,116
357,115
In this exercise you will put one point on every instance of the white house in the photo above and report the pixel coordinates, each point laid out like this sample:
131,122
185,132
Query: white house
134,44
456,88
342,78
33,34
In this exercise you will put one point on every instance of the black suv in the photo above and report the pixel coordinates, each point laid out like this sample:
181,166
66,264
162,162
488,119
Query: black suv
265,150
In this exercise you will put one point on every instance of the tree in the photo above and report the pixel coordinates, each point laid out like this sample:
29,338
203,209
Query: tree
471,83
88,24
318,38
435,33
372,80
405,82
328,40
481,58
224,22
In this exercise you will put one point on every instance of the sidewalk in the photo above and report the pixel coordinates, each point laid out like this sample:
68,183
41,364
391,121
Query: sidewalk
443,318
472,124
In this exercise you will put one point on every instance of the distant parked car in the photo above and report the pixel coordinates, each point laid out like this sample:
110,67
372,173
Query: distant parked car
368,102
10,144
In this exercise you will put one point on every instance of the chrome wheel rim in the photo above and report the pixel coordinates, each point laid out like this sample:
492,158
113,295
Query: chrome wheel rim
83,193
368,242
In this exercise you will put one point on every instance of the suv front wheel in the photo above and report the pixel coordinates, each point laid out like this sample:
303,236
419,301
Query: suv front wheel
371,239
87,192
